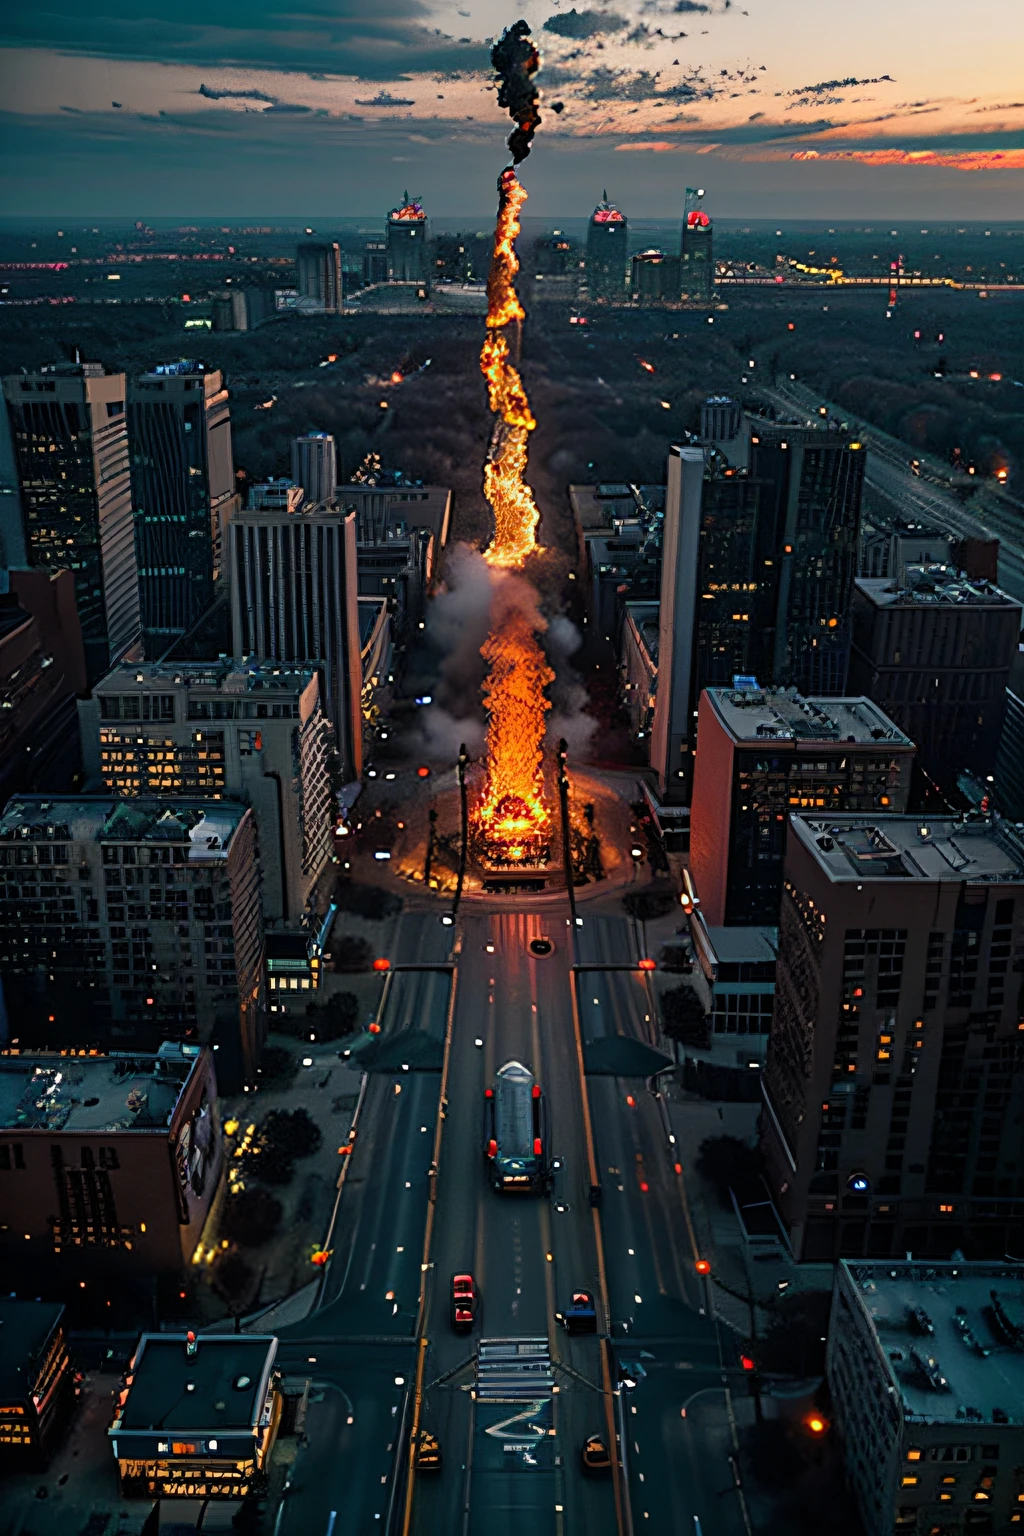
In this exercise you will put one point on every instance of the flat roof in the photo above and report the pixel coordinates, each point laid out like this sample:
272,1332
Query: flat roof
208,826
734,945
223,676
25,1328
952,1336
973,849
221,1386
598,506
936,586
122,1092
757,715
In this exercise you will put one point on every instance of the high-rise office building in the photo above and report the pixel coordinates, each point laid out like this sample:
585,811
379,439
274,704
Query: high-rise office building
183,485
764,753
696,257
927,1393
230,730
894,1064
654,278
1009,775
315,465
759,556
294,598
134,920
406,240
318,274
935,650
607,252
71,443
39,746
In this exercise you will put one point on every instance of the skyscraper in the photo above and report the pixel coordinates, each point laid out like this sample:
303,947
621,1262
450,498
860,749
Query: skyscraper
607,252
71,443
935,650
315,465
156,932
318,274
227,730
294,598
183,482
654,278
894,1067
759,555
765,753
407,243
696,252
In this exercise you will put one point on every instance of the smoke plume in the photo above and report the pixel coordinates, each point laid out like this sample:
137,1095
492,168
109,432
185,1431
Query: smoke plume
515,60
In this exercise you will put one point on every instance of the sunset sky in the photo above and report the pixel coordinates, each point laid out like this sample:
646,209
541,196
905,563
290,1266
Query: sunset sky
781,108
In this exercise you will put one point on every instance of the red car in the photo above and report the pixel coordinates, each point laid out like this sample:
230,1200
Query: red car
464,1301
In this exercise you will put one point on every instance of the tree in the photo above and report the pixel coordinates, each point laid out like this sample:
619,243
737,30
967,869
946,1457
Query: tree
283,1136
334,1018
794,1343
349,953
277,1064
233,1278
250,1218
683,1017
727,1160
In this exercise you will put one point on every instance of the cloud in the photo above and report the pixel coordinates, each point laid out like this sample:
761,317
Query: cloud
213,94
827,87
581,24
659,146
954,160
345,37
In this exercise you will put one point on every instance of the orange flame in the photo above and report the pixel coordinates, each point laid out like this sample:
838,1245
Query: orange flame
511,818
511,500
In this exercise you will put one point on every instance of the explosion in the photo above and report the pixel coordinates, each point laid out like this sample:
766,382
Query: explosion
512,821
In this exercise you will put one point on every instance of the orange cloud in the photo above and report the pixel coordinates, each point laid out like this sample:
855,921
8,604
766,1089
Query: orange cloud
955,160
657,145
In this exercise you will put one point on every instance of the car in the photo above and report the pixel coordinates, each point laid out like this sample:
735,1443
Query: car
464,1300
594,1455
427,1455
581,1315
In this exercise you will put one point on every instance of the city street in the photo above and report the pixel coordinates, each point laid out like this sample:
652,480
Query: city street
513,1463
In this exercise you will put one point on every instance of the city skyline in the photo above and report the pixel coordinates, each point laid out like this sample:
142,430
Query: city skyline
315,110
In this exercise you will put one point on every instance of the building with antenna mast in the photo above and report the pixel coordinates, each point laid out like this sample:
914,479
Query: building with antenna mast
696,252
607,252
407,243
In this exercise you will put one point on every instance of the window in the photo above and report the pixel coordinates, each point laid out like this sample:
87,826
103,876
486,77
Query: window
11,1156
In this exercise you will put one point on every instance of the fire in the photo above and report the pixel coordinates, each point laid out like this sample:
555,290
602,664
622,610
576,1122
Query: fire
510,498
511,820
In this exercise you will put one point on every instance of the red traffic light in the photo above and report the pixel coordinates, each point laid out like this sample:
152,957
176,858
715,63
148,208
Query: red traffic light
703,1267
423,773
647,964
747,1363
381,964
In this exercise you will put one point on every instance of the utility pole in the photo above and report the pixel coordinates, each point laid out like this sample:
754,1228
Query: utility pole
563,800
464,844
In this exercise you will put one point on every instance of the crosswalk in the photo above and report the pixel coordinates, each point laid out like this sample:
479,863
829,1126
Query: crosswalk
513,1370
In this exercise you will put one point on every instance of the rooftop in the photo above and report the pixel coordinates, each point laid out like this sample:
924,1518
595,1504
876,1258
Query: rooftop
974,849
782,715
934,585
604,506
94,1093
644,618
221,1386
732,946
208,826
222,676
25,1328
952,1335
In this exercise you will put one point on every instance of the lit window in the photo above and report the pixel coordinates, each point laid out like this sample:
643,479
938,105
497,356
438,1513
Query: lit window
908,1481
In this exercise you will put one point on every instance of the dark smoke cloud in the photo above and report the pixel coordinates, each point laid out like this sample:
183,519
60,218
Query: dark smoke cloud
581,24
516,61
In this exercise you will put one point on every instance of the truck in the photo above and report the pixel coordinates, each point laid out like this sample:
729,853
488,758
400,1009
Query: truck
515,1132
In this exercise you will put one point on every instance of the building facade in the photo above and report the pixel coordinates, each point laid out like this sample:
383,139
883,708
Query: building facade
925,1370
183,487
38,737
894,1082
696,258
759,558
197,1417
607,258
37,1381
315,465
108,1162
654,278
134,922
231,730
935,653
318,274
765,753
294,598
70,433
406,241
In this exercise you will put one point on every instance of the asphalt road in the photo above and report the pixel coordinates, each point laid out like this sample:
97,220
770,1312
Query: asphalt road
511,1467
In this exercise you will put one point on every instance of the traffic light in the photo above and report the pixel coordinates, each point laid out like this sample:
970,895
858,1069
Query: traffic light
747,1363
703,1267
